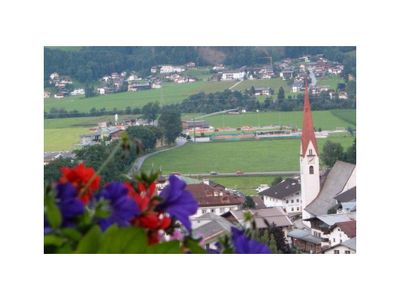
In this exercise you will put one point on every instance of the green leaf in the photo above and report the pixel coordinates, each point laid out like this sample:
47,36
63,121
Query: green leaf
52,212
91,241
51,239
171,247
194,247
124,240
71,233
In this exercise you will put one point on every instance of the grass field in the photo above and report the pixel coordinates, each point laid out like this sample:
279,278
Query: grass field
246,185
274,83
168,94
246,156
330,81
348,115
63,134
322,119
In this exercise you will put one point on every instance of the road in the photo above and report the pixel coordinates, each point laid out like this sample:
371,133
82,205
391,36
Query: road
140,160
245,174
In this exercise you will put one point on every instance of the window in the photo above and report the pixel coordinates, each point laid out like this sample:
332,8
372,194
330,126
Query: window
336,251
311,169
334,240
287,201
212,210
203,211
292,201
292,209
298,208
297,200
347,252
310,152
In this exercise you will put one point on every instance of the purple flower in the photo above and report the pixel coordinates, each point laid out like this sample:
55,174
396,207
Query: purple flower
245,245
123,208
68,202
178,202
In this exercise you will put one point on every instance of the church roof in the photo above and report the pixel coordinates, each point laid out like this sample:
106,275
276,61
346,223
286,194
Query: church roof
307,133
334,184
283,189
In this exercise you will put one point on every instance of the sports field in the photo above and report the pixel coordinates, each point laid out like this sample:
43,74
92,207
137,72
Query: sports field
326,120
246,156
170,93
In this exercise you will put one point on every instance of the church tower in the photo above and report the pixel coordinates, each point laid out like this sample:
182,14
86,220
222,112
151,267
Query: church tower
309,159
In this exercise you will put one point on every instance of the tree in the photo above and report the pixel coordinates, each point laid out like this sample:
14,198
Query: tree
145,134
351,153
89,91
281,94
170,123
52,170
280,239
150,111
276,180
331,153
249,202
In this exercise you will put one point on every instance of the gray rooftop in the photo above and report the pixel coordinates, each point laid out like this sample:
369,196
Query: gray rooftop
217,225
333,185
334,218
272,215
305,235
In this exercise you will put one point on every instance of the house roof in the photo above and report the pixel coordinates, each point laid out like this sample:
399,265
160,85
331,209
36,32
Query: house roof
333,185
307,132
349,228
272,215
333,219
258,202
349,195
305,235
217,225
283,189
350,243
207,195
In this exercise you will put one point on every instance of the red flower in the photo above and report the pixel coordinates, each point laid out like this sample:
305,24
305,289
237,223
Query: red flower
143,196
80,176
153,221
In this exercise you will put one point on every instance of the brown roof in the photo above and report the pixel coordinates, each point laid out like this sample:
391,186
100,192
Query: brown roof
283,189
272,215
349,228
258,202
207,195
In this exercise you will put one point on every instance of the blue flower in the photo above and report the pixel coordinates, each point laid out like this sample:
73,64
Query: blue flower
178,202
68,202
123,208
245,245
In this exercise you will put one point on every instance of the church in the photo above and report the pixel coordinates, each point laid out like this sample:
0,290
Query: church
327,199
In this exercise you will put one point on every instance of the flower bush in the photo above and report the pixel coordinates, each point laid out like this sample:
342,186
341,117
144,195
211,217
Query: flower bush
80,216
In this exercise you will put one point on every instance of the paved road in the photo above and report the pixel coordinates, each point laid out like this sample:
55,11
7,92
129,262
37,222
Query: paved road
140,160
272,173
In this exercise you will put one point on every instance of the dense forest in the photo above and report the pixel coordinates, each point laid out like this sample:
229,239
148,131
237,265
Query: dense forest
88,64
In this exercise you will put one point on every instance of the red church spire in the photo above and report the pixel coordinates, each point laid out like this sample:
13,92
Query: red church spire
307,133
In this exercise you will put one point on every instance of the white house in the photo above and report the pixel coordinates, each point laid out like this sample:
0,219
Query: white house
233,75
342,231
347,247
101,91
214,199
286,194
171,69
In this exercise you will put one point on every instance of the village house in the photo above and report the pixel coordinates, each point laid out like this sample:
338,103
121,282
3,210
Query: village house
59,95
166,69
218,67
233,75
101,91
286,194
78,92
297,86
305,241
210,228
347,247
342,231
190,65
214,199
342,95
286,74
262,91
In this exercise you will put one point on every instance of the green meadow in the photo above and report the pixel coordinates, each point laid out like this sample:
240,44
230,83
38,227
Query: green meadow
326,120
246,156
246,185
170,93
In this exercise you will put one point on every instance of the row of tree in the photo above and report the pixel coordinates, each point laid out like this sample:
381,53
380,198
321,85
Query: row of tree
91,63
